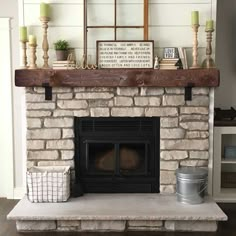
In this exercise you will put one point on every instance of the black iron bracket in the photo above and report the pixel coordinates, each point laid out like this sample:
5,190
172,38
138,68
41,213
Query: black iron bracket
48,91
188,92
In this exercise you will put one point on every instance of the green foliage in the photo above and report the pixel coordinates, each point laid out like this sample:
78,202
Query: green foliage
61,45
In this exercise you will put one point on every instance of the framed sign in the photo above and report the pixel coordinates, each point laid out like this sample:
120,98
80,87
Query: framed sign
125,54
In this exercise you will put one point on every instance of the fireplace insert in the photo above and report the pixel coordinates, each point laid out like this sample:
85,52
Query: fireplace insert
117,155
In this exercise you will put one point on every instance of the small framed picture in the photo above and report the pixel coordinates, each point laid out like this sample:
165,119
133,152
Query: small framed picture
171,53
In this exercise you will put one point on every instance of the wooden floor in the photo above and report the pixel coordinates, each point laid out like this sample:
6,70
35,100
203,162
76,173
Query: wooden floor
7,228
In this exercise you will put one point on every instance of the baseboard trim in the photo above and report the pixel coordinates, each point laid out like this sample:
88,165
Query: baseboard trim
19,192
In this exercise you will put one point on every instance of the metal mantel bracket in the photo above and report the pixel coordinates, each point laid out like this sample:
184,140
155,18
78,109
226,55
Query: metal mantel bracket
188,92
48,91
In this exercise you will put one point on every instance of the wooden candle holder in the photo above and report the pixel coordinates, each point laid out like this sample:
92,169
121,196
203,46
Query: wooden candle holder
45,45
208,62
24,56
195,47
33,57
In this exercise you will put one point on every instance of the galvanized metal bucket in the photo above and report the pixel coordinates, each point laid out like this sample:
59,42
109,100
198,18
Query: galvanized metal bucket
191,185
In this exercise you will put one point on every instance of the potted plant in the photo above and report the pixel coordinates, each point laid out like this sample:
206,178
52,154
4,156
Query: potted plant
61,47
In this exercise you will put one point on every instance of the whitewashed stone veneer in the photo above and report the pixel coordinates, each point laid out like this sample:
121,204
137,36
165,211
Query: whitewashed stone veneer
184,124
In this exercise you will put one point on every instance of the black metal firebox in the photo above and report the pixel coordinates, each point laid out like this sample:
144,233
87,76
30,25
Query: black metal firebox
117,155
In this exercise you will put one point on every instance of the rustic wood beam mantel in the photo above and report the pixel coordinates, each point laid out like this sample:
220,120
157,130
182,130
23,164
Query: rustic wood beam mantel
117,78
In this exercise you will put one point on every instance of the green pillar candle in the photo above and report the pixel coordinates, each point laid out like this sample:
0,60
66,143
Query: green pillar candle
32,39
195,18
44,9
23,33
209,25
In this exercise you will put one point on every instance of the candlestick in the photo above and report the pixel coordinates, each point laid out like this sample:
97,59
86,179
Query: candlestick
33,57
24,56
195,47
45,45
208,62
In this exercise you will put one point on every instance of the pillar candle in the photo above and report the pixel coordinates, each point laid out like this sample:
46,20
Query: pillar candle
23,33
209,25
44,9
195,18
32,39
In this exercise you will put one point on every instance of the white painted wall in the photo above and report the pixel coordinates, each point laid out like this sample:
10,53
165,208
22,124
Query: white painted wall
15,105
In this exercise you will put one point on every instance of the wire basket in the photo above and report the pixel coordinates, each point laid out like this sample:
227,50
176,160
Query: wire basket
48,184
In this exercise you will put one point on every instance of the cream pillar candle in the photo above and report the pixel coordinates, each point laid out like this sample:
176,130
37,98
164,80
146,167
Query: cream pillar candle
32,39
195,18
23,34
44,9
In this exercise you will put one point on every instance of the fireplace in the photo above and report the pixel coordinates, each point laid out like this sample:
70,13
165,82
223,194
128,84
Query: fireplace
117,155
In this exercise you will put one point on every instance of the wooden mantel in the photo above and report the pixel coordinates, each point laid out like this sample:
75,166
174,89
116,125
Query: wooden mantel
117,78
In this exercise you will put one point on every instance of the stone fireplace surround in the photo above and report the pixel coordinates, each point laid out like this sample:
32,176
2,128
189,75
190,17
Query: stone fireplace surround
184,129
184,141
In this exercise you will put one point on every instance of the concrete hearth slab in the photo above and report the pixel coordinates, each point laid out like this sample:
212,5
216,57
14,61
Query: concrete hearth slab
118,207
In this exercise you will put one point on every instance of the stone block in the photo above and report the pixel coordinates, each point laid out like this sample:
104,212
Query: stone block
197,134
194,110
35,144
34,97
174,90
169,165
93,95
58,122
173,100
174,133
30,164
61,90
161,111
127,111
65,96
193,118
34,123
201,101
68,133
194,125
60,144
145,223
169,122
68,223
100,103
63,113
43,155
185,144
100,112
197,226
72,104
57,163
199,155
199,163
93,89
154,91
39,89
30,225
41,106
170,189
38,114
123,101
67,155
167,177
198,91
44,134
68,229
81,113
147,101
103,225
127,91
173,155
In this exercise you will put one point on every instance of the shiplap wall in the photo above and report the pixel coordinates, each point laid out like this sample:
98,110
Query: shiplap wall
169,22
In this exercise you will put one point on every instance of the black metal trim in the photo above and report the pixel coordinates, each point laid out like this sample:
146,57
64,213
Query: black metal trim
188,92
48,91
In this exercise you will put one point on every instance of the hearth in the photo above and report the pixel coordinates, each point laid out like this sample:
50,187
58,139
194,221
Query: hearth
117,155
